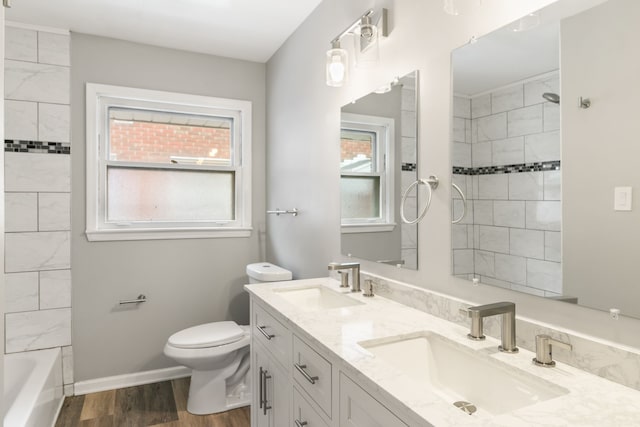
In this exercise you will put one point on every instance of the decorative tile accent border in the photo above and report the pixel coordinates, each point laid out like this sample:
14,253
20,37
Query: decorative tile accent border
552,165
409,167
18,146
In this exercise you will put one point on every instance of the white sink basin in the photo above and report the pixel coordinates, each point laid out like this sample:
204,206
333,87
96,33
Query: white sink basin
458,373
315,297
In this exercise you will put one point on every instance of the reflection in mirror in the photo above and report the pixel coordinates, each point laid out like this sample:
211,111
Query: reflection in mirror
536,224
378,152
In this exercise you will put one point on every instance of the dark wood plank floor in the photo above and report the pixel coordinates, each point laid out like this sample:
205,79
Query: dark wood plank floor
161,404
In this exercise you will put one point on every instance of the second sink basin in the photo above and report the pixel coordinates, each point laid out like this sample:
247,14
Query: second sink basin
316,297
460,374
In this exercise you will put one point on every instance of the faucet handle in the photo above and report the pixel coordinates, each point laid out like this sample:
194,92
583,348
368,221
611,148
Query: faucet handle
344,279
368,291
544,344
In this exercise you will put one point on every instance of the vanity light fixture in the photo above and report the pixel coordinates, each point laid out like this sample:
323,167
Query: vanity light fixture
461,7
337,68
366,42
366,35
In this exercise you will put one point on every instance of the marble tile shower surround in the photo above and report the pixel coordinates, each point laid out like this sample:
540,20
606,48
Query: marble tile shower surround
608,360
506,159
37,194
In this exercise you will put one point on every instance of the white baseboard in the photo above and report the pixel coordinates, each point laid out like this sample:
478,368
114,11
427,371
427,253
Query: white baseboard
129,380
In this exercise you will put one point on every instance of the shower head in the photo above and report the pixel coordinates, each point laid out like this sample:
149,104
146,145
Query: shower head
551,97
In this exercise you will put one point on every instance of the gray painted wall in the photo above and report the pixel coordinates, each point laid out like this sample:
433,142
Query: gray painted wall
187,282
599,152
307,175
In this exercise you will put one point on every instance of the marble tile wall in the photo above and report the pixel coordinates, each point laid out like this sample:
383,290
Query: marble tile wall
38,194
510,235
409,236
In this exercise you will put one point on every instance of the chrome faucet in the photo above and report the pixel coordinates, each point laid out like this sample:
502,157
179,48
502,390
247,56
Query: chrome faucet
508,312
355,277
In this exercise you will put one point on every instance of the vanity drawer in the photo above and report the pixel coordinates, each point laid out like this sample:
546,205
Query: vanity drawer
313,373
303,412
272,334
359,409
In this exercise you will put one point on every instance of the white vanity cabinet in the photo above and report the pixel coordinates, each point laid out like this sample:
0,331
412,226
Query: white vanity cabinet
271,396
359,409
270,365
298,385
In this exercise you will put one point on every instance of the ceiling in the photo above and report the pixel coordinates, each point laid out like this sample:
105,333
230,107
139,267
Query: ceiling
244,29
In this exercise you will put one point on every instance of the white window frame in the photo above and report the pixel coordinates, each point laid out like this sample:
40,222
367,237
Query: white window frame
384,128
99,98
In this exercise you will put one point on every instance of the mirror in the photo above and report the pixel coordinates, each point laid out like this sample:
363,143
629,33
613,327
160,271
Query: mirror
544,144
378,152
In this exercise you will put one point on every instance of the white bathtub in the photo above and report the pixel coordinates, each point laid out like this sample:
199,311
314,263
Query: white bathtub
33,391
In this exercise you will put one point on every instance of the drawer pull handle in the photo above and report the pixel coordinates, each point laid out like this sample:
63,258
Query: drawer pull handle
266,334
301,369
301,423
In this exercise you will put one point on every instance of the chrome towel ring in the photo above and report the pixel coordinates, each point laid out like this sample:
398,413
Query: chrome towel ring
432,184
464,204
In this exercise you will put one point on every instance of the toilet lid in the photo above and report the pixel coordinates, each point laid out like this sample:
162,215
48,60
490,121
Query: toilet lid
207,335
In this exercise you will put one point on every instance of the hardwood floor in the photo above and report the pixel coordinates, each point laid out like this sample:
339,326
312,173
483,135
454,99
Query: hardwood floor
162,404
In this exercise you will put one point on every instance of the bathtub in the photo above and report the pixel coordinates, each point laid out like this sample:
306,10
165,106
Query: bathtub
33,391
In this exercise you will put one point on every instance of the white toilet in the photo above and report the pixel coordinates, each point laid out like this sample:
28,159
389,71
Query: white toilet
218,354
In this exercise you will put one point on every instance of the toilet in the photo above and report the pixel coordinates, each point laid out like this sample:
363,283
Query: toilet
218,355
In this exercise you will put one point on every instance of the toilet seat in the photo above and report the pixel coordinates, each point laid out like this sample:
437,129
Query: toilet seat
207,335
208,352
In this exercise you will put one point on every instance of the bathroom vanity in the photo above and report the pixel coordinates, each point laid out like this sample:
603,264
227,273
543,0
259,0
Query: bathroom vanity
323,356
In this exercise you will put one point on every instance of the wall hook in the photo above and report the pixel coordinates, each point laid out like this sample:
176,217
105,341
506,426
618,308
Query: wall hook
584,103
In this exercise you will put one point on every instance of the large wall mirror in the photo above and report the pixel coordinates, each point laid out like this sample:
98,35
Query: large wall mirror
544,145
378,152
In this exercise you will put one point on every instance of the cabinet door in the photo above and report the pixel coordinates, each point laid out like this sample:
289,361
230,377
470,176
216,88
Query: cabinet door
259,362
279,396
272,393
359,409
303,412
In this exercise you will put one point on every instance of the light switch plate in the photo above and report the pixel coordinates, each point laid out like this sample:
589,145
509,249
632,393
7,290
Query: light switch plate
622,198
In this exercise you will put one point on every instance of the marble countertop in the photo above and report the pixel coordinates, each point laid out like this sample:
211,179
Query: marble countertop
589,401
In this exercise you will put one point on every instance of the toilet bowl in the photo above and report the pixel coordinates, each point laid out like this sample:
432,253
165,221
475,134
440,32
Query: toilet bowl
218,355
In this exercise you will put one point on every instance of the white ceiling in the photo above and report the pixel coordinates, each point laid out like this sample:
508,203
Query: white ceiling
244,29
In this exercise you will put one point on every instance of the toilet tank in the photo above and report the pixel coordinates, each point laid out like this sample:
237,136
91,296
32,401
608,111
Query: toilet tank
260,272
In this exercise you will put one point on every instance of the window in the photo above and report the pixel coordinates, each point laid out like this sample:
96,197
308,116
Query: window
166,165
366,184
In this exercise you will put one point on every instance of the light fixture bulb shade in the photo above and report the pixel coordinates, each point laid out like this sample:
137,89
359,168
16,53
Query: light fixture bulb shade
337,67
366,47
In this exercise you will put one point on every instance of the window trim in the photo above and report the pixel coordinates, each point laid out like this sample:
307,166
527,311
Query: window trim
385,149
98,98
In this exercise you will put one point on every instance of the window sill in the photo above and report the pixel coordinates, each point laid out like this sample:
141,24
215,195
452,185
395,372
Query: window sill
165,234
367,228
